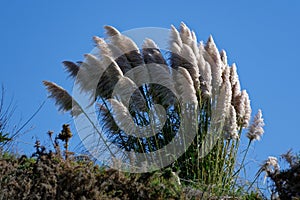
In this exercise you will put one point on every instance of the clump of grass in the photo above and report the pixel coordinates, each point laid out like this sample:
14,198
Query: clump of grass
211,93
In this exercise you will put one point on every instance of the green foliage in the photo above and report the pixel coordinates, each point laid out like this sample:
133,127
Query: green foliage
51,176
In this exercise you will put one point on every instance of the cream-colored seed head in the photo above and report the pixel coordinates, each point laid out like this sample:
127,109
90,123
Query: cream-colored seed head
256,128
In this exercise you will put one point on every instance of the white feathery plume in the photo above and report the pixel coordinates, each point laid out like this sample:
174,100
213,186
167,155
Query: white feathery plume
207,75
175,48
182,71
93,62
102,46
121,41
182,53
83,77
256,128
190,52
194,36
200,59
175,37
110,64
120,58
236,92
189,38
234,78
270,166
92,71
205,72
62,98
205,80
223,57
235,83
230,127
272,161
223,101
226,82
216,70
226,74
111,31
184,86
185,34
223,98
213,51
101,76
219,110
151,53
149,44
72,68
191,65
89,73
115,51
243,108
194,45
239,105
125,44
248,111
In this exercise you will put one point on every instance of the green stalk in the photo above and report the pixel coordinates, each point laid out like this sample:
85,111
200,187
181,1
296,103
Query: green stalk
222,174
232,158
242,163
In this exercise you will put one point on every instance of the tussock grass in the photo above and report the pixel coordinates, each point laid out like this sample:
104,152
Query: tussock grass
201,86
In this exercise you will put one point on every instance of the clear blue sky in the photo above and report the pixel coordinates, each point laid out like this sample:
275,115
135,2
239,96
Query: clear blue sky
262,37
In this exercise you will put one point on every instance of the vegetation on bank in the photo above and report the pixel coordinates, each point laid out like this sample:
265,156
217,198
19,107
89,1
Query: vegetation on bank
51,174
199,86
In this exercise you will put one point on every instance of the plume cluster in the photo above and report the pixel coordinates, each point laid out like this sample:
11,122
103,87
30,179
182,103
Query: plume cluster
202,65
127,82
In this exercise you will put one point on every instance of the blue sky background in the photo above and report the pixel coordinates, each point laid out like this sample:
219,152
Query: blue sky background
262,37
